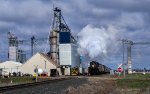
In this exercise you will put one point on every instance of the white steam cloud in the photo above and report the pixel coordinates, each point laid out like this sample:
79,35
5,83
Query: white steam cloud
95,42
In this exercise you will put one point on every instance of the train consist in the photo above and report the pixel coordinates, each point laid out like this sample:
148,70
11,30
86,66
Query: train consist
96,68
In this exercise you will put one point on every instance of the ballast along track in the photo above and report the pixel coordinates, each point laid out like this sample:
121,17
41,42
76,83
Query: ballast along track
14,87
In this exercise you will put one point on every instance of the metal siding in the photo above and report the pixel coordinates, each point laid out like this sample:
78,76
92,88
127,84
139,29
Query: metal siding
23,58
68,55
12,53
75,56
64,37
65,54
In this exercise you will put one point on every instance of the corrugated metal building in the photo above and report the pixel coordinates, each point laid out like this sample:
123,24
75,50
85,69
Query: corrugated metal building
68,55
39,60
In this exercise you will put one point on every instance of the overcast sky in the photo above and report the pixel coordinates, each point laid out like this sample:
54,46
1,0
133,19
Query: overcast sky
34,17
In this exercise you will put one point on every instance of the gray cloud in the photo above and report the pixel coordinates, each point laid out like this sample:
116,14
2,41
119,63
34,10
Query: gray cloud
123,5
33,17
27,11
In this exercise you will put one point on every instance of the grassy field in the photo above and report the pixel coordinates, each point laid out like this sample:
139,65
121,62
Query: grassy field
15,80
138,76
135,83
132,84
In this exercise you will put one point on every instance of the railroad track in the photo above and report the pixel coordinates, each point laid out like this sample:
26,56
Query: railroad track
14,87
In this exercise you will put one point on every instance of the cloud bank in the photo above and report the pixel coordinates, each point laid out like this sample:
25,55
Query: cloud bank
131,18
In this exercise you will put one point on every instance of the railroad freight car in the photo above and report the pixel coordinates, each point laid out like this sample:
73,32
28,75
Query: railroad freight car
74,71
96,68
106,69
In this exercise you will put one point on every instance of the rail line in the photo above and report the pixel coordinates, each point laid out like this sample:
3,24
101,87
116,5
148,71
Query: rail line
14,87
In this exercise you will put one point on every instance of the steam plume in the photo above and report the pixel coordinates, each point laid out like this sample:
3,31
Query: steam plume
94,41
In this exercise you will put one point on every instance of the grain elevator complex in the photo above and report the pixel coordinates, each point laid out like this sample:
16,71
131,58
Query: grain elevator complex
63,46
62,58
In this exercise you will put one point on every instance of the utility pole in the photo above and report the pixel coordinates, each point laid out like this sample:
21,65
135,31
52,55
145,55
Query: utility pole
32,45
129,62
129,57
123,58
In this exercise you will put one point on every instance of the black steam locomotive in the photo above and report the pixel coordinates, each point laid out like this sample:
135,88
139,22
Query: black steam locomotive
96,68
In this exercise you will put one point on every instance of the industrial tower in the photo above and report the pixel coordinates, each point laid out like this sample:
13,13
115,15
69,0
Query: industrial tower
14,53
63,46
58,25
13,47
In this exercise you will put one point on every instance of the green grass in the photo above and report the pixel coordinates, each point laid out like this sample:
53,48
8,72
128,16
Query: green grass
133,83
137,76
16,80
139,81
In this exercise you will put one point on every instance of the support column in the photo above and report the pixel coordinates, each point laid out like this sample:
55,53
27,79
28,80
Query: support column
129,59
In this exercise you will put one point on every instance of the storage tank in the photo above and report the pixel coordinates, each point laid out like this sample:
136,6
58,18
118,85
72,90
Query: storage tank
40,71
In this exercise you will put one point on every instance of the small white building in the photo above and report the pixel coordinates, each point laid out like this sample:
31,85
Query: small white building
9,67
40,61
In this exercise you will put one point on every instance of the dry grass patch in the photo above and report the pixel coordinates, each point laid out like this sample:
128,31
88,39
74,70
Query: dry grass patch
95,86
